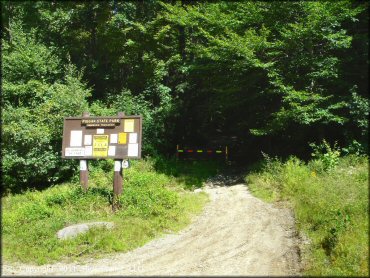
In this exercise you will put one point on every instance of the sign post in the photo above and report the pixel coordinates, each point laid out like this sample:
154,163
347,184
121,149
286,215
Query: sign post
115,138
84,171
117,178
117,183
84,174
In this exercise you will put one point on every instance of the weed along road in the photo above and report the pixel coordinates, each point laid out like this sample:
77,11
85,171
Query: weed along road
236,234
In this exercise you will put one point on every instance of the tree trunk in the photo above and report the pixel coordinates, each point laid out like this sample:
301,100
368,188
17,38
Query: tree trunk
182,44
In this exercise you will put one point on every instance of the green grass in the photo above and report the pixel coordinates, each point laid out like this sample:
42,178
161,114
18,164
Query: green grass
331,208
152,204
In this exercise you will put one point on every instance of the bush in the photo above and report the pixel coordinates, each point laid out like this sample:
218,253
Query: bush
331,207
329,156
37,93
354,148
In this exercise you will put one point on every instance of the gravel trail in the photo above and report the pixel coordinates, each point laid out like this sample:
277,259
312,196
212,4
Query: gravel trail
237,234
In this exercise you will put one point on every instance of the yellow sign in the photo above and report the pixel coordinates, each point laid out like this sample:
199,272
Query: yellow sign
100,145
128,125
122,138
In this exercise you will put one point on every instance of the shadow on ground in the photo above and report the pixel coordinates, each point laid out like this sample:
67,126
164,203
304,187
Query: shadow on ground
194,173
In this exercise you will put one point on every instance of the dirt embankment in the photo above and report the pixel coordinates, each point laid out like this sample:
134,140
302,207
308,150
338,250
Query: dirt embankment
237,234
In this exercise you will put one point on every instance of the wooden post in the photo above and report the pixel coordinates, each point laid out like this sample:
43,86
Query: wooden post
117,178
84,171
84,174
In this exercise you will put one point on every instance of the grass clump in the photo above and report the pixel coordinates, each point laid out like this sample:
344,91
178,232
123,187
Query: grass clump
330,205
149,207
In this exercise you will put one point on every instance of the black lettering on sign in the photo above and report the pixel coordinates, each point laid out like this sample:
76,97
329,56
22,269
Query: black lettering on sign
109,122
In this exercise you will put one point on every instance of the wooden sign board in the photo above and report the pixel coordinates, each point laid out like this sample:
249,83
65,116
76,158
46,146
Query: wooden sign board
117,137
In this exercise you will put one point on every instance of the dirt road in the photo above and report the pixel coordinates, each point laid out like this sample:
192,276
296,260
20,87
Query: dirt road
237,234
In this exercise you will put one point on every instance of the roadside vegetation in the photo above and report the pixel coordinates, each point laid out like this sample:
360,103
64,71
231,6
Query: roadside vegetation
152,204
330,199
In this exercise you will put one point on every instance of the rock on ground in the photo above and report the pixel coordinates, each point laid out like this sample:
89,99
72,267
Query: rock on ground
74,230
237,234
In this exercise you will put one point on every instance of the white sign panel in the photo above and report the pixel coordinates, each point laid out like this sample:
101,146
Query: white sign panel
76,138
100,131
132,138
114,138
88,140
83,165
74,152
88,151
133,150
112,151
117,166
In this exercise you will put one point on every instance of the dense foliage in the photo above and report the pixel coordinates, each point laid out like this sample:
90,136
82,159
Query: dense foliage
38,90
268,76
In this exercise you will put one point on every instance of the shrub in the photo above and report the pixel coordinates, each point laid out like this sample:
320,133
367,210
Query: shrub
328,155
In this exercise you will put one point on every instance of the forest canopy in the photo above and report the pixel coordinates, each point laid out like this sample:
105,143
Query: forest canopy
257,76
